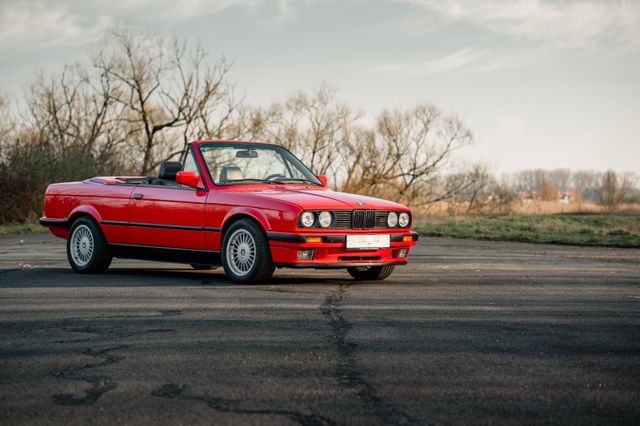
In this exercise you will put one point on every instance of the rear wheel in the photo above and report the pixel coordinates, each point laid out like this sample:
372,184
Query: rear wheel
370,273
246,256
87,248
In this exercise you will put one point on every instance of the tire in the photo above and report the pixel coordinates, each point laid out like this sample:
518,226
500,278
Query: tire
201,267
246,256
371,273
87,249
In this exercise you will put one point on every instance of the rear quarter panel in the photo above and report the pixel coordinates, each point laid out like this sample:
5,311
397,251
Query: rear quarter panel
100,201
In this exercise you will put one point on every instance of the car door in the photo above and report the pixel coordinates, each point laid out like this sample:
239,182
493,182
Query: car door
169,215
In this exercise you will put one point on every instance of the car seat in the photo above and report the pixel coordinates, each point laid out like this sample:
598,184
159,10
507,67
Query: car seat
230,173
167,173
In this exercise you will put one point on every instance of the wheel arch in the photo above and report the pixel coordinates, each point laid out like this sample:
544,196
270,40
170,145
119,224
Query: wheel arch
85,210
238,214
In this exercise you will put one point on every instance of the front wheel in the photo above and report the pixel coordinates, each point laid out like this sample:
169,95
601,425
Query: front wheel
87,249
246,256
370,273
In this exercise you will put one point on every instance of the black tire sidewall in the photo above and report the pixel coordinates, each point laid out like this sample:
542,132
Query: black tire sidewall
100,259
374,273
262,268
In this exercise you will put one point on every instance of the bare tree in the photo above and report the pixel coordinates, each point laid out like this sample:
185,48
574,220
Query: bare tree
6,123
545,189
168,95
525,180
560,178
400,158
483,193
613,189
76,110
352,164
315,125
413,147
585,183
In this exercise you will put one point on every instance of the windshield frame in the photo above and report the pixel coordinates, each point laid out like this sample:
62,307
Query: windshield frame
258,145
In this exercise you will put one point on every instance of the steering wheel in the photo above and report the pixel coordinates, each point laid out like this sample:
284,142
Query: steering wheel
275,175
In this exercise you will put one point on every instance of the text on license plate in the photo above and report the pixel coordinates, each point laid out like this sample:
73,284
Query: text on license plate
368,241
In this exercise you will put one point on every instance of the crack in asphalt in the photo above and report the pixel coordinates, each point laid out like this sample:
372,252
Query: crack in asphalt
224,405
100,383
347,369
107,333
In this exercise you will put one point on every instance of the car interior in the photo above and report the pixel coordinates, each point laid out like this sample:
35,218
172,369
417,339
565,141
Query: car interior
230,172
169,170
167,173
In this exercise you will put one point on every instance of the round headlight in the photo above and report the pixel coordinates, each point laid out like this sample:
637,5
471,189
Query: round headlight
307,219
404,220
324,219
392,219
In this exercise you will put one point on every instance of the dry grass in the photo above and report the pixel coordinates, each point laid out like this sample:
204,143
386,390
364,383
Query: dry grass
520,208
613,230
21,228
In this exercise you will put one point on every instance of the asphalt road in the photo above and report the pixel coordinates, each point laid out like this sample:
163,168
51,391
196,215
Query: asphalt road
467,333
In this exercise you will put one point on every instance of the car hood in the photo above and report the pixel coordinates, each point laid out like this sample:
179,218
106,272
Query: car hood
323,199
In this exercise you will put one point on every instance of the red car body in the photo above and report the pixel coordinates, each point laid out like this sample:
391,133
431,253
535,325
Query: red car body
187,224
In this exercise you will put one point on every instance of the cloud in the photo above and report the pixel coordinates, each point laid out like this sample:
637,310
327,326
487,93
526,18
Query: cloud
456,60
183,10
40,24
561,23
37,24
463,60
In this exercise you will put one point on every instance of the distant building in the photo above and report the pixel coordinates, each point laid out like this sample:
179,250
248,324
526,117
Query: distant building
564,197
525,196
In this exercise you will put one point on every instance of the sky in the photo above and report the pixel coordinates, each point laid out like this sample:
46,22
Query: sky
541,83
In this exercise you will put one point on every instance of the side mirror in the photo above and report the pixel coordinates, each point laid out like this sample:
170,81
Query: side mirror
191,179
323,179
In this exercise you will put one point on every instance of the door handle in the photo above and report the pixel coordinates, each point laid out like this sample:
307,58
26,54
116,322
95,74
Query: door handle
138,196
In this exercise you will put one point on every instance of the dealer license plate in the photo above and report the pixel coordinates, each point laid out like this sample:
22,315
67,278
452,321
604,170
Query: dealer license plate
368,241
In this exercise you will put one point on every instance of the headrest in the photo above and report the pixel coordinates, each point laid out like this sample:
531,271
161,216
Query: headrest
230,173
169,169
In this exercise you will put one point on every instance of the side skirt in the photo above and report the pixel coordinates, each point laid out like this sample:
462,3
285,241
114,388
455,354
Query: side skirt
165,254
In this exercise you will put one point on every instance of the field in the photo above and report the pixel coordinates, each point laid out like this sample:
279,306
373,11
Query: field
21,228
575,229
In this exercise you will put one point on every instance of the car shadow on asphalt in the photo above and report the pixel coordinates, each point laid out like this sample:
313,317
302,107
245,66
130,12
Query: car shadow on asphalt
144,277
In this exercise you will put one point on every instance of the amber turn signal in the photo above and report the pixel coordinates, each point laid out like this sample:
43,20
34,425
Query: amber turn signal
407,238
314,239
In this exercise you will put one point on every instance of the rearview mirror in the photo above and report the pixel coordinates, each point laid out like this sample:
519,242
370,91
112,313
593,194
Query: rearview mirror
190,179
249,153
323,179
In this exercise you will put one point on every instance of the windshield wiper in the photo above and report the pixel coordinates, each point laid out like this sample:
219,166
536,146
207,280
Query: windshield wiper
283,180
247,180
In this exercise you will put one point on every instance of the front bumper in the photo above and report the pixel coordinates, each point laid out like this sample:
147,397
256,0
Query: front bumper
332,253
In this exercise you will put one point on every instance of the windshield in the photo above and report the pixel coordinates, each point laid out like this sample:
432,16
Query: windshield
241,163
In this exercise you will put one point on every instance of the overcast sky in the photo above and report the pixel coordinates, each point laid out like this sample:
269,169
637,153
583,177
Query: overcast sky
541,83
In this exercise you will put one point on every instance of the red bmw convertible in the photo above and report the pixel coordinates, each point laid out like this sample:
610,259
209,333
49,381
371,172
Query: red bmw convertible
250,206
